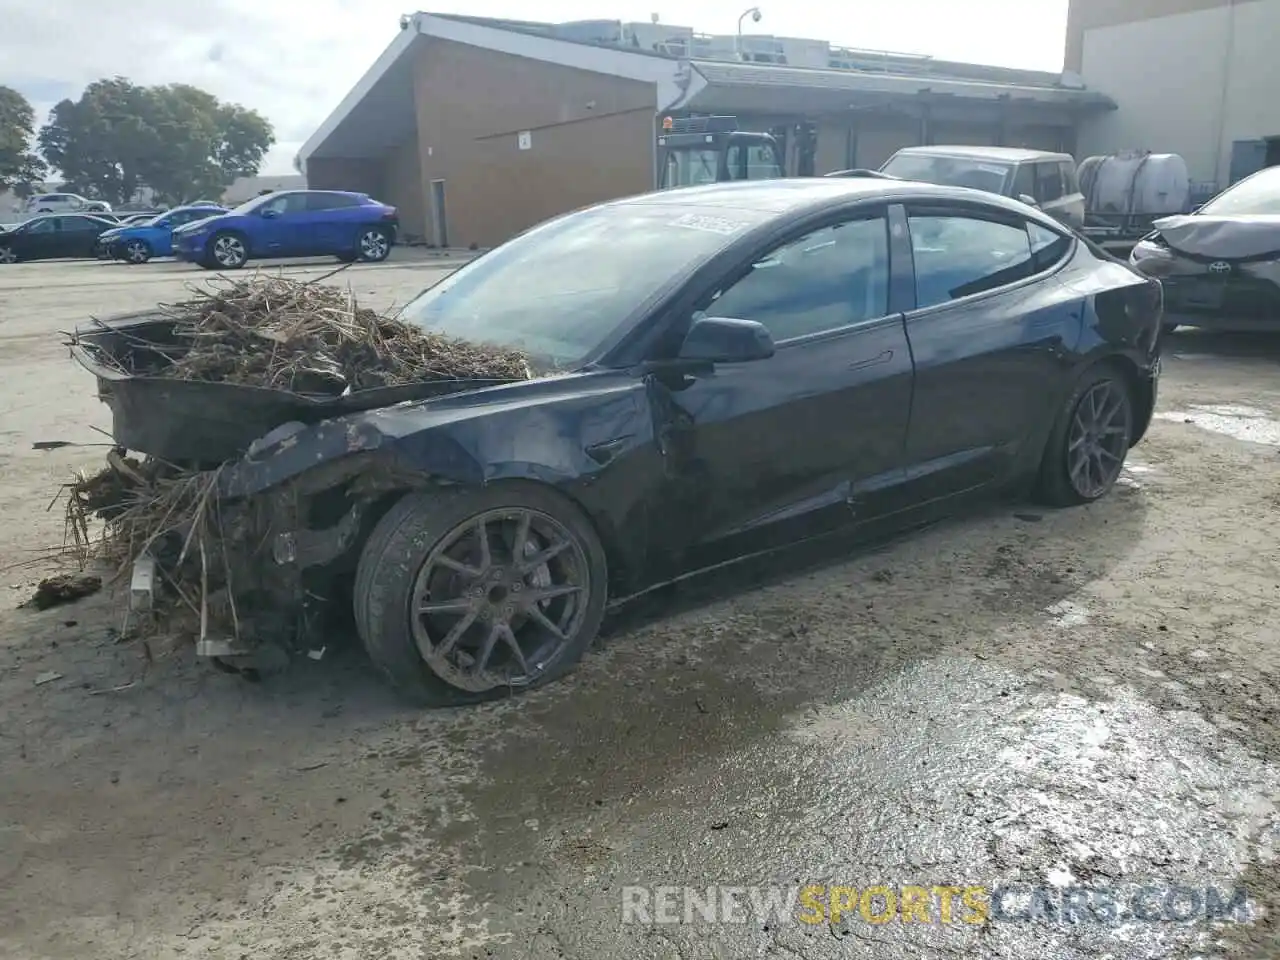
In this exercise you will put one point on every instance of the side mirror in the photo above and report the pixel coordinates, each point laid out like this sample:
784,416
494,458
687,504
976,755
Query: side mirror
269,214
725,340
1029,201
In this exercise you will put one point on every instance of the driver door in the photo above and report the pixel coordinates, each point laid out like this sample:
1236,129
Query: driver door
810,439
280,232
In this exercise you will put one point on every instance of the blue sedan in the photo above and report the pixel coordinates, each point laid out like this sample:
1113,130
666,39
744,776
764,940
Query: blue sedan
139,242
292,223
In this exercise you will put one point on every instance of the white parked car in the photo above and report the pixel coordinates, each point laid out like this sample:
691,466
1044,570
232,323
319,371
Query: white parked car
66,203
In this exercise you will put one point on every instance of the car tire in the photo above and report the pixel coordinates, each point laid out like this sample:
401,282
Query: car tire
1089,440
135,252
7,255
401,564
226,250
373,245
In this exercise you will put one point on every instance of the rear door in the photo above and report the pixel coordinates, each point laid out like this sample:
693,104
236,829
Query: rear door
78,235
811,439
992,334
332,221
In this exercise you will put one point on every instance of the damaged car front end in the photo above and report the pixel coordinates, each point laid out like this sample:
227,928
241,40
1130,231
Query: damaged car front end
1220,266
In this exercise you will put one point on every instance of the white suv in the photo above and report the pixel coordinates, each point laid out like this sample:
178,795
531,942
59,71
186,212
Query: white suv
66,203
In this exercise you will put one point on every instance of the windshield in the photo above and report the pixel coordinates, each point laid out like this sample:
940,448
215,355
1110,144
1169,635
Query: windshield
251,205
950,171
689,167
1257,195
559,290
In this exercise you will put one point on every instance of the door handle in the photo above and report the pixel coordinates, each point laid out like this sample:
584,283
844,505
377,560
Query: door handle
884,357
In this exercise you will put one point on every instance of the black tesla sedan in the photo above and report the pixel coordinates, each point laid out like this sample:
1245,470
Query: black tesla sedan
1220,266
727,368
53,236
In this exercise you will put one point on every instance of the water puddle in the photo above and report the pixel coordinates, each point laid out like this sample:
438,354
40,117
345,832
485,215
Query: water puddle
1250,424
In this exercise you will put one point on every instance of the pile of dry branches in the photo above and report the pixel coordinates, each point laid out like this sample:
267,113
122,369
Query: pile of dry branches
315,339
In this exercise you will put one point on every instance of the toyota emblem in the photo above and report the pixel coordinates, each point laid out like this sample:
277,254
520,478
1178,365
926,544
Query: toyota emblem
1220,266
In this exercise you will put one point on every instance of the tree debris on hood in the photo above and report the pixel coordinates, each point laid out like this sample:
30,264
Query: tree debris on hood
293,335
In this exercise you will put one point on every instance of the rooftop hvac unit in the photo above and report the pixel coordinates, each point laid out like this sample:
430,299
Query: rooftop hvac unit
591,31
658,36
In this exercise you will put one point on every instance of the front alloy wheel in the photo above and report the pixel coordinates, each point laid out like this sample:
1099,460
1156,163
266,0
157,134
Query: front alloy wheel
7,255
228,251
374,246
464,595
136,251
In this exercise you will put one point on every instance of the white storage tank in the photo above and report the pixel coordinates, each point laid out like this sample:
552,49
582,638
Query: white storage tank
1135,183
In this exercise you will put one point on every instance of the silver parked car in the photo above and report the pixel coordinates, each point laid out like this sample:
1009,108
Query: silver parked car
1038,178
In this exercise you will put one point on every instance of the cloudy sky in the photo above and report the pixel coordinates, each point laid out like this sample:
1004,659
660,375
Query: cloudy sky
294,60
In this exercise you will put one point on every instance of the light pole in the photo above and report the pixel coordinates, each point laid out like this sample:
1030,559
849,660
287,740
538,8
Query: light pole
755,15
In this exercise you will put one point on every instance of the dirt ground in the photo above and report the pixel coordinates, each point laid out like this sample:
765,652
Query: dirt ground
1084,698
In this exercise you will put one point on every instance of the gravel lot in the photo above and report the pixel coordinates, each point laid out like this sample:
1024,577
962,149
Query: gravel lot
1076,698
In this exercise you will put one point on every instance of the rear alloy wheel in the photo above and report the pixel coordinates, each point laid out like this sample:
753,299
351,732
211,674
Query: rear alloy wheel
7,255
467,595
227,250
374,245
136,251
1090,441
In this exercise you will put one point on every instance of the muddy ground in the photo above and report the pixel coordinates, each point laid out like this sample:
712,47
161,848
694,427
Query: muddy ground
1084,698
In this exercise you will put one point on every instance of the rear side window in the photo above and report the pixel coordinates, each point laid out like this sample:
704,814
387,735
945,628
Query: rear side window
959,256
1048,182
330,201
1047,246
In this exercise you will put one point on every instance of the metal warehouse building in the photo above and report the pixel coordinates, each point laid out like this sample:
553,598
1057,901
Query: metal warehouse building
477,129
1196,77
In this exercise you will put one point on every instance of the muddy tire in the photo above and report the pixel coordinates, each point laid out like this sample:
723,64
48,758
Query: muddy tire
226,250
1090,439
451,618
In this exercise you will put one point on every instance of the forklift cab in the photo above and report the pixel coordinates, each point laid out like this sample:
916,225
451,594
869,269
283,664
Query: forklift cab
702,150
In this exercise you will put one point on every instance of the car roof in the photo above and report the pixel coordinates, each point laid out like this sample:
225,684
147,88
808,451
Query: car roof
1006,154
801,195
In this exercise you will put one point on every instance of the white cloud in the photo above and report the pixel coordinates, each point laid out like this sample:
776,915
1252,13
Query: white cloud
294,60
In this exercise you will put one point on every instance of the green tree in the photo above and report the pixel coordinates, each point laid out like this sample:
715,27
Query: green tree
205,145
178,140
19,167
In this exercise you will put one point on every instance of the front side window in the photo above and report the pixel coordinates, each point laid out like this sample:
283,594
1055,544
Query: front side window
957,256
1048,182
1024,182
47,225
829,279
